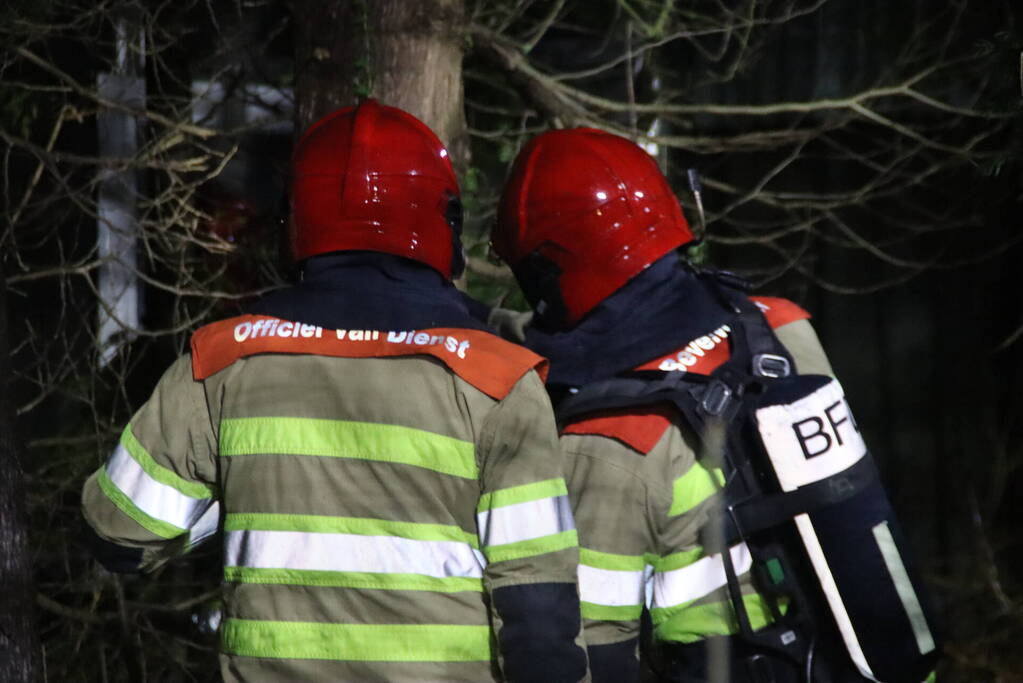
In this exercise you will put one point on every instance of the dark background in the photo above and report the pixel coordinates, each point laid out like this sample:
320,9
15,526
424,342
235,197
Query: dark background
892,215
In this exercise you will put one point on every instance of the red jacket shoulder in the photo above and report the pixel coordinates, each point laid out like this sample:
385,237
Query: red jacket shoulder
780,311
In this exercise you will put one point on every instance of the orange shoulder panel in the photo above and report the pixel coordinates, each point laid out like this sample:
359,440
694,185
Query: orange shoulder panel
779,311
638,428
485,361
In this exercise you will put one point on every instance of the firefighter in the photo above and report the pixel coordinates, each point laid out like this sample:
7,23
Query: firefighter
386,474
592,231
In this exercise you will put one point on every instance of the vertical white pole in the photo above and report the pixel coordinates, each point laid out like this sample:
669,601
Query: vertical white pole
119,301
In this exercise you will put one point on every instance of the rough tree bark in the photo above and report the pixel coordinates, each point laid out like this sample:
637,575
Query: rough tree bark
18,647
405,54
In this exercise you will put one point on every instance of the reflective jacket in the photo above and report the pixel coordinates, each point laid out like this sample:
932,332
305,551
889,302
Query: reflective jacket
392,501
642,501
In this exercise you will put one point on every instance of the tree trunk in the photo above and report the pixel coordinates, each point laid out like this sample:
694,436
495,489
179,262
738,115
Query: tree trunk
18,645
404,54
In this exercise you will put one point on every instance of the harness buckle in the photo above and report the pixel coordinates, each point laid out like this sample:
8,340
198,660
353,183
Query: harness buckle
716,398
771,365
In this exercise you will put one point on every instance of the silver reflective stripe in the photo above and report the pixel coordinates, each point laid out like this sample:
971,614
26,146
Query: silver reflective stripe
525,521
206,525
351,553
157,500
679,586
904,587
830,588
611,587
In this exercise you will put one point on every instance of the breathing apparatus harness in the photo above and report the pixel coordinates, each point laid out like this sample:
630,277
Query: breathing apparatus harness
774,506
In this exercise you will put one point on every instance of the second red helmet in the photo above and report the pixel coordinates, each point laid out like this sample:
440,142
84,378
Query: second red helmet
582,213
375,178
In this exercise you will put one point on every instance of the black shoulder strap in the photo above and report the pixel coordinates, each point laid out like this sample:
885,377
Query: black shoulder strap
755,352
637,389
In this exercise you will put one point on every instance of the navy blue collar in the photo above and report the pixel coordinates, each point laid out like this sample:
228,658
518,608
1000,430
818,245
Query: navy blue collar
369,290
655,313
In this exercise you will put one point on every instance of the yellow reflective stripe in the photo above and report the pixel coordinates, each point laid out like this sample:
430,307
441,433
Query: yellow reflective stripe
694,487
356,642
536,546
596,612
160,473
348,439
362,526
602,560
677,560
366,580
549,488
691,623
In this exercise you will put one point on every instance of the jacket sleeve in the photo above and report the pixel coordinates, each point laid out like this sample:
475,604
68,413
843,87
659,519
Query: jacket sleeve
801,341
690,599
612,506
156,497
528,538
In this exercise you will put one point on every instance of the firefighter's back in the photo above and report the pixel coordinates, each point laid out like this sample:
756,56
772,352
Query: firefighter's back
349,489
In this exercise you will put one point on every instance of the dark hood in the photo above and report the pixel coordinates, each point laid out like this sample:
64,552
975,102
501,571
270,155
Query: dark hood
370,290
661,309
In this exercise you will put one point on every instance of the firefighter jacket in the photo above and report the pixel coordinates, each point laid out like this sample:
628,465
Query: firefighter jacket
642,501
391,499
640,496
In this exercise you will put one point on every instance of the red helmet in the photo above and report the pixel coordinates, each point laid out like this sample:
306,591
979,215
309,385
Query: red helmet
583,212
375,178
